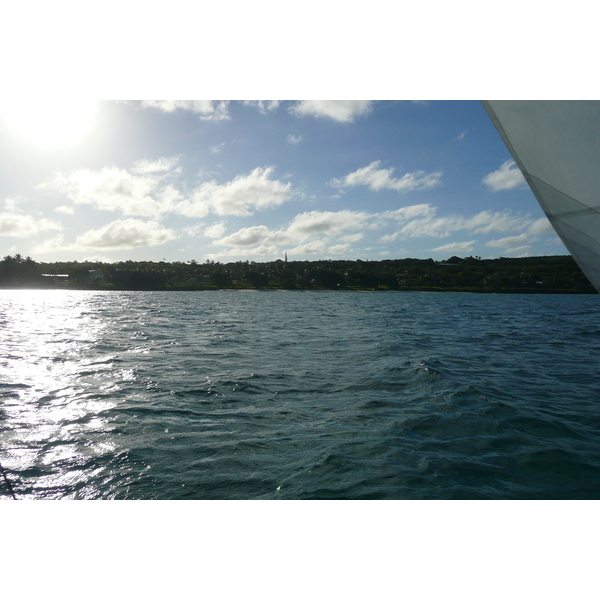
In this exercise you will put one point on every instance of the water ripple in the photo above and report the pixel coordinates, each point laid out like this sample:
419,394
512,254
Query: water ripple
300,395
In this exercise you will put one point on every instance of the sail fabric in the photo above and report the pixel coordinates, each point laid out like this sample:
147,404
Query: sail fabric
556,144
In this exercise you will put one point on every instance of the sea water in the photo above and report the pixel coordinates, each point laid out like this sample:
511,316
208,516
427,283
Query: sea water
299,395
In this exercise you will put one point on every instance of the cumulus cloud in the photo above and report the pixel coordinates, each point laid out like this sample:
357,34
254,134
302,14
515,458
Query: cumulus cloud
316,247
507,177
507,242
329,232
67,210
541,227
293,139
248,236
325,222
420,220
389,238
322,224
262,105
110,188
355,237
161,165
520,251
483,222
239,197
377,179
52,245
262,251
11,203
489,222
410,212
126,234
147,191
194,230
208,110
216,230
24,226
342,111
455,247
338,248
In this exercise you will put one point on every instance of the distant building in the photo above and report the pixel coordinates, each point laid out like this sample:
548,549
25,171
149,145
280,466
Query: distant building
94,276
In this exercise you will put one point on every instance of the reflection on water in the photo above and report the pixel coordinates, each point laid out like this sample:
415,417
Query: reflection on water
299,395
55,388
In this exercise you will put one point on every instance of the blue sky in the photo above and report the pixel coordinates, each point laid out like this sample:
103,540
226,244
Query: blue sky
228,181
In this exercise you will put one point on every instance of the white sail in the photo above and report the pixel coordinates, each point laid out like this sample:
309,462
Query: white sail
556,144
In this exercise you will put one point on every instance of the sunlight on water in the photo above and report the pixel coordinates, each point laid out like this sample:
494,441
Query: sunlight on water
300,395
54,389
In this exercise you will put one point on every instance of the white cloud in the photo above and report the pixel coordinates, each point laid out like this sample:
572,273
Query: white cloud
11,203
461,136
216,149
239,197
381,179
355,237
52,245
507,177
148,194
293,139
319,232
248,236
507,242
483,222
455,247
338,248
126,234
262,251
262,105
304,226
541,227
488,222
67,210
389,238
316,247
109,188
194,230
519,251
216,230
162,165
209,110
411,212
343,111
168,196
324,222
24,226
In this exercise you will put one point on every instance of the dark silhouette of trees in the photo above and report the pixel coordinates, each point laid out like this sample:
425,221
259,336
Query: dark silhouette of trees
257,279
530,274
18,271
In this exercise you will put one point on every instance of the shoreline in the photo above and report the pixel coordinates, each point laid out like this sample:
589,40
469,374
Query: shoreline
412,289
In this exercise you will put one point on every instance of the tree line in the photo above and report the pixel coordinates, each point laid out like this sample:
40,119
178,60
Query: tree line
549,274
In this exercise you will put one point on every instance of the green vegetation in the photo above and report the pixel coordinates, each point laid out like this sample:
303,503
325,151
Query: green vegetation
545,274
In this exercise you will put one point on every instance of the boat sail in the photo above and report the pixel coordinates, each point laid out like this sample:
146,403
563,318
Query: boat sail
556,144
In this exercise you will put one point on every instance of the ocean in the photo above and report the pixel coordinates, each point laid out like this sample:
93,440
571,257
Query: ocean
299,395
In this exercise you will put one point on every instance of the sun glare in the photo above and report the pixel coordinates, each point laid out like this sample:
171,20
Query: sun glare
49,122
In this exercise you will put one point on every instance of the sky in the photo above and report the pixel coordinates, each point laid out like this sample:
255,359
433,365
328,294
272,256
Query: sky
194,180
253,180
